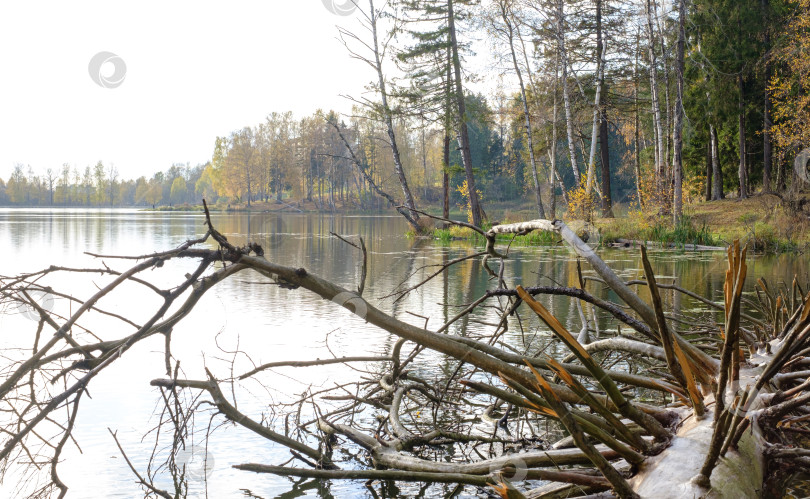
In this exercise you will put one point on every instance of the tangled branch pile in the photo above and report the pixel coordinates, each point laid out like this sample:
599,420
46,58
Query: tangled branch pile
673,405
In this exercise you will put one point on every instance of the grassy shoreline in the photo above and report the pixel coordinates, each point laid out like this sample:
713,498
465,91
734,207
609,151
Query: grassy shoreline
768,223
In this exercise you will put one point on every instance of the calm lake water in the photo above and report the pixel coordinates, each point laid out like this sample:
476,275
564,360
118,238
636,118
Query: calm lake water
245,321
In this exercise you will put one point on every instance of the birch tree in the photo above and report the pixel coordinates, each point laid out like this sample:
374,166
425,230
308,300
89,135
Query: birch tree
599,78
505,10
656,110
677,134
382,110
569,124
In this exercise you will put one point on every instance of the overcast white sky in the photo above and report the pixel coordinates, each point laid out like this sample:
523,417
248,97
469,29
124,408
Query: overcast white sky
195,70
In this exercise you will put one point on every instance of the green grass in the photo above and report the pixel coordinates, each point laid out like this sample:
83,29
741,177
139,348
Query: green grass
762,236
660,230
686,231
456,233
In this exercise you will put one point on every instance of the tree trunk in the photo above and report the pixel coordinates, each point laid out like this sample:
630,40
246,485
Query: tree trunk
742,173
447,126
527,120
708,187
597,115
464,139
552,174
717,177
562,185
607,200
553,153
249,195
767,150
400,171
332,185
446,176
424,162
636,141
667,115
402,210
569,124
659,133
677,133
781,180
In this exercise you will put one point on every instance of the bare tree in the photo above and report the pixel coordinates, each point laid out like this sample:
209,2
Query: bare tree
563,54
599,74
742,172
383,111
656,109
677,134
717,173
505,8
112,176
50,177
636,123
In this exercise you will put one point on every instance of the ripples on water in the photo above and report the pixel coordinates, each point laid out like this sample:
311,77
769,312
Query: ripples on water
245,321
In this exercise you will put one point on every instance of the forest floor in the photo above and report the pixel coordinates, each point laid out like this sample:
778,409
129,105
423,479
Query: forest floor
768,222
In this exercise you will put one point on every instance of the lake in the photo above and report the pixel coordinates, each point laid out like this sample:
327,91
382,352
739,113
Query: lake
247,321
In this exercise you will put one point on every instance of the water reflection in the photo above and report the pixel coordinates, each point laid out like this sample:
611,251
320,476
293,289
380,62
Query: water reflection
247,321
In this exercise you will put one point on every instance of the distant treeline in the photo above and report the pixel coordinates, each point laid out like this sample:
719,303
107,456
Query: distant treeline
305,160
99,185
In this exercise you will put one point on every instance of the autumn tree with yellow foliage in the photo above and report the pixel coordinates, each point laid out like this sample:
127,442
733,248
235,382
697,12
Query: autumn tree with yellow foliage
790,84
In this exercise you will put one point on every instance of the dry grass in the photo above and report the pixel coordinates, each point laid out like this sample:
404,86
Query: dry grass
767,221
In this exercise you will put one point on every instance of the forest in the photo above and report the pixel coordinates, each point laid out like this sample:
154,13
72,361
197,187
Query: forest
601,103
630,102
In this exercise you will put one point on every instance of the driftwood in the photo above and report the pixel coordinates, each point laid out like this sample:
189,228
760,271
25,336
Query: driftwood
732,393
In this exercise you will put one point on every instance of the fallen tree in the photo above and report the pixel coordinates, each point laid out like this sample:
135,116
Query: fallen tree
731,390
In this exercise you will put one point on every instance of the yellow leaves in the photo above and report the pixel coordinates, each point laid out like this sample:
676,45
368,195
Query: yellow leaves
694,185
464,190
789,89
581,204
654,193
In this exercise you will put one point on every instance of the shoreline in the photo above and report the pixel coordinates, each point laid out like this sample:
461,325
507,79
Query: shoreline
767,223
